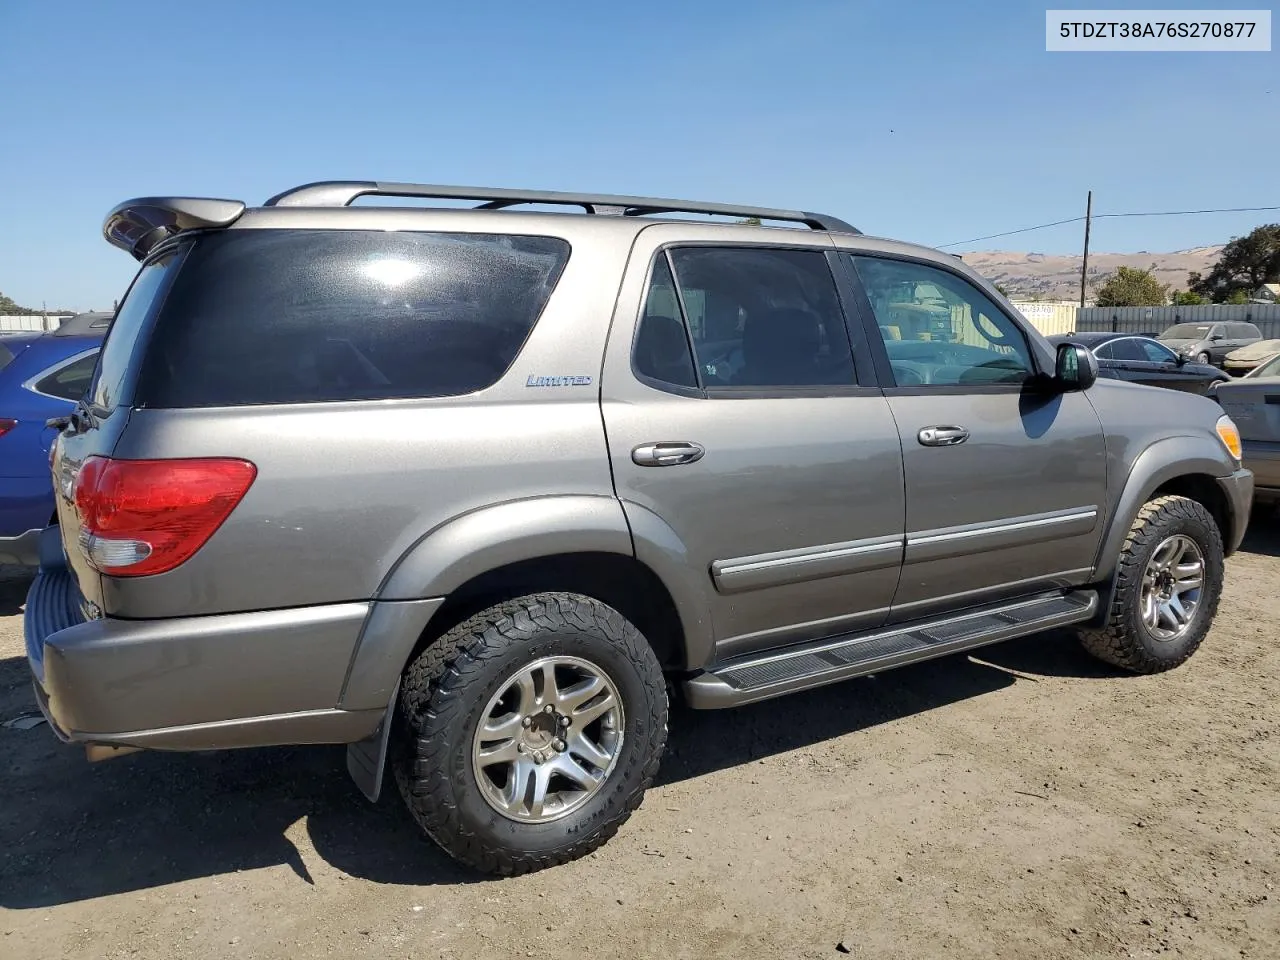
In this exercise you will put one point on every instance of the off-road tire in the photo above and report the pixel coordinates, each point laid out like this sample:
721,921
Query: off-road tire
1125,641
445,691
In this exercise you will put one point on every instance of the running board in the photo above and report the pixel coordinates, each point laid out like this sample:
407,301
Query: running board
761,676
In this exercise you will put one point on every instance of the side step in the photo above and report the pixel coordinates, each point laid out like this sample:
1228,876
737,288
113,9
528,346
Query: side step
771,674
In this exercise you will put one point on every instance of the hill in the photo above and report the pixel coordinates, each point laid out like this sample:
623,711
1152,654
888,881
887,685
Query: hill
1057,277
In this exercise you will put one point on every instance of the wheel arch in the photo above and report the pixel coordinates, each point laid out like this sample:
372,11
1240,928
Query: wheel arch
1182,466
628,559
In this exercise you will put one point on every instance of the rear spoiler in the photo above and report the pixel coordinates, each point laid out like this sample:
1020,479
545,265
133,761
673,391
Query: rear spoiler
136,226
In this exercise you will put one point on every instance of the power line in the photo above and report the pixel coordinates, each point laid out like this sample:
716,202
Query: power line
1010,233
1099,216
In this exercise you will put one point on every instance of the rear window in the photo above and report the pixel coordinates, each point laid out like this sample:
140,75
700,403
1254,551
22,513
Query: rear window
294,316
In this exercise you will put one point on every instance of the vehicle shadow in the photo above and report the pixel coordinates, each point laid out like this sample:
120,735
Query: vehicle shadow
1056,653
1263,535
72,831
13,590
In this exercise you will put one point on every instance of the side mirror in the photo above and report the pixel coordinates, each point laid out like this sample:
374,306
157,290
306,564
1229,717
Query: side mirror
1076,367
1180,360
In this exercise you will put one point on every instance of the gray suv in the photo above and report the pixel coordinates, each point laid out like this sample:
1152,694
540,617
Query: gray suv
473,490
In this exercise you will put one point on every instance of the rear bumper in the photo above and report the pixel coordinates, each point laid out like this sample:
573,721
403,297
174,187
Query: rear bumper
22,550
26,504
1263,459
1238,488
195,683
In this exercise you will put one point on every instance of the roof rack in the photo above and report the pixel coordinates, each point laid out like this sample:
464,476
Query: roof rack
341,193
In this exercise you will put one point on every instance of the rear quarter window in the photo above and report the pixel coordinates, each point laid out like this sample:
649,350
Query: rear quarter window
305,316
70,380
6,356
118,359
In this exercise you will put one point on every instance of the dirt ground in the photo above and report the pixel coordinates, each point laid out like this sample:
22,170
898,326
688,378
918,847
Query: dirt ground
1023,802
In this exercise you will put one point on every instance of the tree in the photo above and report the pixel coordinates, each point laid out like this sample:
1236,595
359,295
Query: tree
1131,287
10,309
1245,264
1238,297
1185,298
1003,292
751,221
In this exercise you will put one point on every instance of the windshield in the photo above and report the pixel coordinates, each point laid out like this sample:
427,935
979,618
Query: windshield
1187,331
1269,369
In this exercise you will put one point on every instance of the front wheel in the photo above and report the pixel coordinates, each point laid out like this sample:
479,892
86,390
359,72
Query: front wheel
1202,357
529,733
1168,583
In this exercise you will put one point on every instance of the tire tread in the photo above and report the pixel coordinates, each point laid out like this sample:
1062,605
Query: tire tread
1114,643
431,691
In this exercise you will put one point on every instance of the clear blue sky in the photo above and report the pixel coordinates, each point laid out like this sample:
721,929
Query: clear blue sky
927,121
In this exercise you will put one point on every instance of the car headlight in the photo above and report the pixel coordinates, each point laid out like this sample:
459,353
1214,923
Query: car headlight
1230,436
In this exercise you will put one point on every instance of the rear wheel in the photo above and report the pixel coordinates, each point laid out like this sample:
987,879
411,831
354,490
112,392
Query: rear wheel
527,735
1168,583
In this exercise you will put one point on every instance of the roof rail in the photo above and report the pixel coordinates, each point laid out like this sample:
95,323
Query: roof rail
340,193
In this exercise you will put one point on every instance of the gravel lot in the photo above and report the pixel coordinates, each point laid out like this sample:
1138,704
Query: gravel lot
1023,802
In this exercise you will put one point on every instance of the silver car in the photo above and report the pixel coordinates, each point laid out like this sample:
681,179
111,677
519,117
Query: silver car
1253,403
1209,342
470,490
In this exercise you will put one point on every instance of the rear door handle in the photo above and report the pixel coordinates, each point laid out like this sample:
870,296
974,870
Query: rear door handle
942,436
667,454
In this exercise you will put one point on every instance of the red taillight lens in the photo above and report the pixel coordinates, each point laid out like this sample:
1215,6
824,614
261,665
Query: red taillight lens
141,517
6,425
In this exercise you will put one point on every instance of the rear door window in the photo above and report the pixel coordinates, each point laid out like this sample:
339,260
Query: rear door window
1127,349
756,318
305,316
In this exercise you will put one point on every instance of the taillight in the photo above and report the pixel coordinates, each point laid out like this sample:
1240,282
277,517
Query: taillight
6,425
141,517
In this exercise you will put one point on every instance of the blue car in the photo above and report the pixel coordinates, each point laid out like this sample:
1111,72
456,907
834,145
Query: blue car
42,375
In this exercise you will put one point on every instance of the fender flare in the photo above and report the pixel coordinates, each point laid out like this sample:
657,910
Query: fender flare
660,548
455,552
466,546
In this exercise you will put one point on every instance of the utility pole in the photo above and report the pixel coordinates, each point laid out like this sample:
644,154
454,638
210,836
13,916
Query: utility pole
1084,264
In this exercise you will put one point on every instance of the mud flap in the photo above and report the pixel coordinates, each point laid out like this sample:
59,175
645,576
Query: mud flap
367,758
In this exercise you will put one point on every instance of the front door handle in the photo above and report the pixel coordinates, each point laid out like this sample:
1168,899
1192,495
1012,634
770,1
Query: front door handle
942,436
667,454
